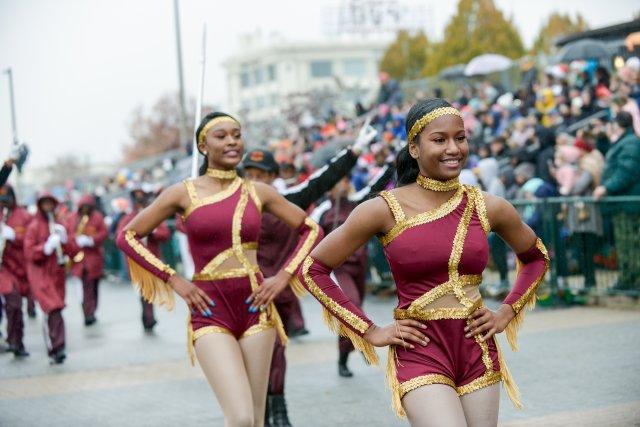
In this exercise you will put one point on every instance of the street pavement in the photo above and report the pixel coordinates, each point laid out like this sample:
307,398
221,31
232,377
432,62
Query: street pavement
576,366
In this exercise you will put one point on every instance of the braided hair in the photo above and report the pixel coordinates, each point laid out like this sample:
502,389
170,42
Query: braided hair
206,119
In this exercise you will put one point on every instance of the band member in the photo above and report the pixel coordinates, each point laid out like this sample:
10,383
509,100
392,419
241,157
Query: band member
47,250
88,231
14,286
444,365
352,274
233,321
141,197
278,241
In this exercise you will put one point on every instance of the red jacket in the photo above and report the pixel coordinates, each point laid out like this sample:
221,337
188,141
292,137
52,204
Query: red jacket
93,262
46,277
13,270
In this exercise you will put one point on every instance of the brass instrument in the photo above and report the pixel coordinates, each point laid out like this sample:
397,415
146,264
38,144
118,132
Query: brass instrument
62,258
80,230
3,223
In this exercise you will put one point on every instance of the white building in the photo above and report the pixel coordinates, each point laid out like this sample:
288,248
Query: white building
261,78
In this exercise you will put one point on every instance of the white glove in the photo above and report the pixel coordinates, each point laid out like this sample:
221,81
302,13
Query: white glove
62,232
8,233
51,244
365,136
84,241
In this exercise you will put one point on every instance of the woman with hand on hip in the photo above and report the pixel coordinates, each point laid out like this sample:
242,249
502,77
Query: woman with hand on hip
233,322
444,364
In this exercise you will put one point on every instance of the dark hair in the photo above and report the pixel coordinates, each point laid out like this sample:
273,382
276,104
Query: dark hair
406,166
624,120
206,119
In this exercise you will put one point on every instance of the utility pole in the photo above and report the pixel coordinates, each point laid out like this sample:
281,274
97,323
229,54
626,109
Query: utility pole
14,128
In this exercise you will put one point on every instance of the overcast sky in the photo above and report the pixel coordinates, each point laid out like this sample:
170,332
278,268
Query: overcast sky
81,66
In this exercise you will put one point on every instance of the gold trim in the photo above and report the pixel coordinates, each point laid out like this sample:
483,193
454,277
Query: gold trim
437,313
420,124
394,206
436,185
209,200
335,309
487,379
256,329
203,133
424,380
254,194
306,247
443,289
297,287
205,330
481,209
232,273
423,218
221,174
140,249
217,261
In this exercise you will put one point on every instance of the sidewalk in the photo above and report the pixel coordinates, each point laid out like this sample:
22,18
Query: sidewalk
576,366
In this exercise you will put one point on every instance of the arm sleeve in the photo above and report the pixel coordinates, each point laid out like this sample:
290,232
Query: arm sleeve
101,233
5,171
377,184
148,273
340,314
33,250
533,264
322,180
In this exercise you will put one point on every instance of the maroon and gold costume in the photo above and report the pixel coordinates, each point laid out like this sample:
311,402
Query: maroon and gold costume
14,284
91,268
46,278
160,235
437,281
222,230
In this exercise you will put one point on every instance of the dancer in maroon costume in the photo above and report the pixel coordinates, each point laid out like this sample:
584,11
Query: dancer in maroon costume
140,198
14,285
88,231
233,322
444,365
352,274
44,252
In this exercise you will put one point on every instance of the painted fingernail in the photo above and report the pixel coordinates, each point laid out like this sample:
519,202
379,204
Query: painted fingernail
209,313
247,301
424,326
204,313
193,311
212,304
252,309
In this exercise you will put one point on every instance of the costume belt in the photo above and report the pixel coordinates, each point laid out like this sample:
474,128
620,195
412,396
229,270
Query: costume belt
226,274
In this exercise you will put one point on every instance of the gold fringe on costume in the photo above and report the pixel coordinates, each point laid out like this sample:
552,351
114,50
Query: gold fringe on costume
190,350
150,287
358,342
297,287
507,380
277,321
394,384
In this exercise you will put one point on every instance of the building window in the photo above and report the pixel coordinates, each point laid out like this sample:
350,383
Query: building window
355,67
320,69
258,75
271,72
245,76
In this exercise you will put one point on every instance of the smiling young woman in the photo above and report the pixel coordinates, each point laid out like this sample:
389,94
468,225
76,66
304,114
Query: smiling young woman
233,321
444,365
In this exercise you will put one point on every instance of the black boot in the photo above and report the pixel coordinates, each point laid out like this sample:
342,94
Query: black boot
343,370
58,357
20,352
267,412
279,416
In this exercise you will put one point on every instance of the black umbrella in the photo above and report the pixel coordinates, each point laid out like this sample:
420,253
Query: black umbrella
583,49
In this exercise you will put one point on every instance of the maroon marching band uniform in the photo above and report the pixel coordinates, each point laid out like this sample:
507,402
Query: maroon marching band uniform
437,281
13,277
160,235
47,278
91,269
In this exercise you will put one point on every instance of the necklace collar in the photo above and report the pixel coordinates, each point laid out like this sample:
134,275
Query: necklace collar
221,174
435,185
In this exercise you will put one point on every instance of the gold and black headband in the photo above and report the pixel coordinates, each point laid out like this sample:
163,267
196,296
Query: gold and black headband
203,133
420,124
